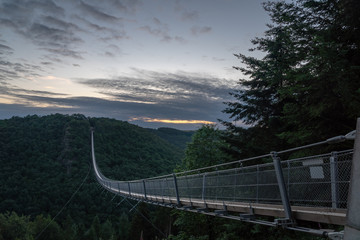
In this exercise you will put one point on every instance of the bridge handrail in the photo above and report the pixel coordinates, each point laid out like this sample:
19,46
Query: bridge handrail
297,163
337,139
318,186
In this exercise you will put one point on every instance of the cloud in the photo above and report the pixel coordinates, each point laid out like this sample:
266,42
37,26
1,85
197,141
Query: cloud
147,98
5,49
112,51
51,36
216,59
24,99
96,13
13,96
161,31
186,15
31,20
180,39
157,21
149,86
166,95
16,92
157,33
20,15
129,6
152,31
10,70
196,30
109,54
53,58
65,52
44,6
106,32
59,28
124,6
60,24
189,15
20,11
93,26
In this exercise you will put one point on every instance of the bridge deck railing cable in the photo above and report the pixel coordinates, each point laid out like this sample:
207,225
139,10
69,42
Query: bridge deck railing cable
320,180
313,181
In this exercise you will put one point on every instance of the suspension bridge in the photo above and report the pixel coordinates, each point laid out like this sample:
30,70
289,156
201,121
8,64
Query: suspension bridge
288,191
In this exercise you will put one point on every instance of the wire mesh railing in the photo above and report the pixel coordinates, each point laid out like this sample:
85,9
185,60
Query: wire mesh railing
320,180
316,181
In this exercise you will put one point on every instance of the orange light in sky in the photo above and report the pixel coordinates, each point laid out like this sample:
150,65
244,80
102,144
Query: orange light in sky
146,119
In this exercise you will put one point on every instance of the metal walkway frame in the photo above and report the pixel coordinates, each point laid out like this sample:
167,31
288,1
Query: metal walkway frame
308,189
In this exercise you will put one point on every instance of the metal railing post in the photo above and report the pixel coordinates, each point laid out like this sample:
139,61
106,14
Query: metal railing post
333,179
162,186
203,187
176,190
188,191
235,183
352,227
288,178
168,188
156,188
281,184
144,189
129,189
162,189
217,184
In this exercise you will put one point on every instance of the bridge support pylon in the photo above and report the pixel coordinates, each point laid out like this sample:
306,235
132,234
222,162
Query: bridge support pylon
352,227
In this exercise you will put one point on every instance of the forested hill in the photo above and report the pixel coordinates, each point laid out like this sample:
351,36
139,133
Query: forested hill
127,152
177,137
44,159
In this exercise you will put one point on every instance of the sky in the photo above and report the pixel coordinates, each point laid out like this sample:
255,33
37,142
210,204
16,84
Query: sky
153,63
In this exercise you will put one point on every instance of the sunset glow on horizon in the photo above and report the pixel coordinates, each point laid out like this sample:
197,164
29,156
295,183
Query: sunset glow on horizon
173,121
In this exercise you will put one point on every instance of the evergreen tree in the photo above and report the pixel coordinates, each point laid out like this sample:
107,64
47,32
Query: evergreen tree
308,79
70,228
96,225
124,226
13,226
206,148
107,231
90,234
44,228
140,224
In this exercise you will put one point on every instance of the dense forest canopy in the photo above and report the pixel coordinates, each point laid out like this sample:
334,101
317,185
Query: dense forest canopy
44,159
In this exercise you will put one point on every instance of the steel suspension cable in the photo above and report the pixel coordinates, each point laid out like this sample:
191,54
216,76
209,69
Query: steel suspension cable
62,209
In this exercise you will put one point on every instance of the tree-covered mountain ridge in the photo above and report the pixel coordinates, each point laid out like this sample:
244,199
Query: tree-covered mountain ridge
44,158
